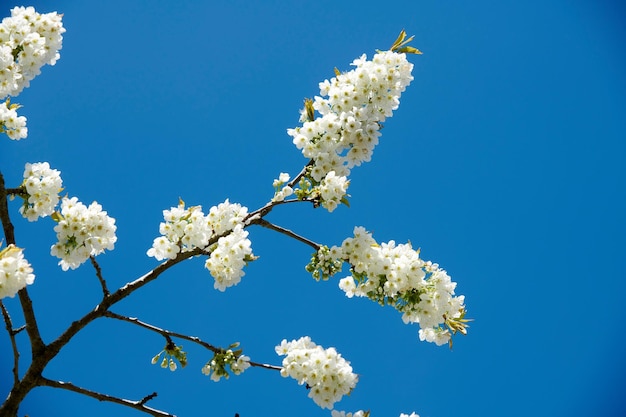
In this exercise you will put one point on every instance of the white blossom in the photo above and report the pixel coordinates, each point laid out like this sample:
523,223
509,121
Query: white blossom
228,259
82,232
28,41
15,271
325,372
42,185
352,107
394,274
10,123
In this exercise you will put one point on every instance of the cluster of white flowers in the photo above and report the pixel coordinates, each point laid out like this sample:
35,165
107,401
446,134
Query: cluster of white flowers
217,367
281,191
186,229
28,41
15,271
325,372
81,232
10,123
356,104
42,185
227,260
392,274
332,190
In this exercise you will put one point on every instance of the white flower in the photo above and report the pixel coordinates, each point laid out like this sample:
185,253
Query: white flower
15,271
28,40
411,415
327,374
10,123
393,274
227,260
352,107
82,232
226,216
42,185
332,189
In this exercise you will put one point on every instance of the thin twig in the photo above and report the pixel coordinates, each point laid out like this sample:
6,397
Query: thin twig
103,283
169,334
287,232
12,332
137,405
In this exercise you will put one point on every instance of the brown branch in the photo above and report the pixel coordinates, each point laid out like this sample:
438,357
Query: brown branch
169,334
137,405
12,332
287,232
103,283
7,226
27,305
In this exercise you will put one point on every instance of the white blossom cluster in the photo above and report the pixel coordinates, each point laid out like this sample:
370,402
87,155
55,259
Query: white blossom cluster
42,185
15,271
28,41
353,107
392,274
81,232
227,260
281,191
186,229
10,123
324,371
332,190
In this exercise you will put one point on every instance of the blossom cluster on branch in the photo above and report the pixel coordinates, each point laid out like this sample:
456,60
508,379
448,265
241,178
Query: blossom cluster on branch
353,105
394,274
15,271
28,41
186,229
325,372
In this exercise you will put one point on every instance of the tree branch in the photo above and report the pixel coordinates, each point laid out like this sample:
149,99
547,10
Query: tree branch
169,334
137,405
287,232
103,283
27,306
12,332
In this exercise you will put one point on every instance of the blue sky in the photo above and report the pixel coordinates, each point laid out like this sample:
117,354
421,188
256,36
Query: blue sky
505,163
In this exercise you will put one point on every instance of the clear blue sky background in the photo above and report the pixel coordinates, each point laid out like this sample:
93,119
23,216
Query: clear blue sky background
505,163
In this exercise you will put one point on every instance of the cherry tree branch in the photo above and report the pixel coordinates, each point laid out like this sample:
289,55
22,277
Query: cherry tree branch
169,334
27,305
12,332
137,405
287,232
103,283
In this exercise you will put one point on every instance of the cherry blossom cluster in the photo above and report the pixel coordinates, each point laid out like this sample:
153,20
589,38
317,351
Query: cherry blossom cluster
81,232
353,106
324,371
28,41
218,367
281,191
229,257
10,123
42,185
15,271
186,229
393,274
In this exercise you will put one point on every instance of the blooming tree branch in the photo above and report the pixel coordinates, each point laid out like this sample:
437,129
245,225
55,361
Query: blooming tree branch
338,131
